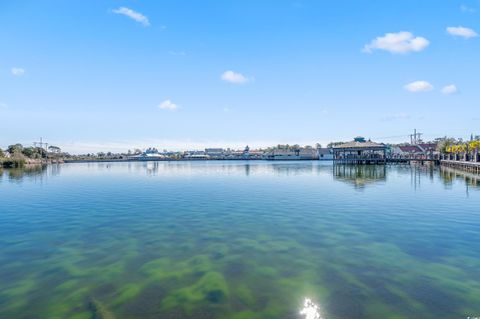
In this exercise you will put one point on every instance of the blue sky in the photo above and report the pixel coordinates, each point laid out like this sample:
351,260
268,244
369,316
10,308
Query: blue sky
116,75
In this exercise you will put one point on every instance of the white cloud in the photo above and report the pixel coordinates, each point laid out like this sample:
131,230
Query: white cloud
168,105
449,89
418,86
234,77
137,16
401,42
18,71
462,32
467,9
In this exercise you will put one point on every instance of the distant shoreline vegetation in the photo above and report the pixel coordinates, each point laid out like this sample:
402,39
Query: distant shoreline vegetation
18,155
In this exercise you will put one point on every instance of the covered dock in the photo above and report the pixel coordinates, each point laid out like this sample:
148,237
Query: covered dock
360,151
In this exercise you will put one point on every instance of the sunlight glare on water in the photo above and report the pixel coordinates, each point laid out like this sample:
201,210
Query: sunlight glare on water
310,310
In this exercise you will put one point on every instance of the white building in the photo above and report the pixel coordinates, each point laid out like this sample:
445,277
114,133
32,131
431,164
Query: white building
195,155
325,154
289,154
214,152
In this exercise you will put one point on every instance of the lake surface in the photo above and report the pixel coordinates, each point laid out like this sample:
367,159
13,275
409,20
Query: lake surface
241,240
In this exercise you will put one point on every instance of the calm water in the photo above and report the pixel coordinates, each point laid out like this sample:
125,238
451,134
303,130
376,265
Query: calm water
238,240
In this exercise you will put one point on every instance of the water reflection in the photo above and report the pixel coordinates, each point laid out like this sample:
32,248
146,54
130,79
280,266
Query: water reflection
360,175
215,168
18,174
238,239
450,175
310,310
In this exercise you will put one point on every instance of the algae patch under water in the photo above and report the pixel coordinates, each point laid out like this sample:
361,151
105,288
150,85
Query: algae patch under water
207,241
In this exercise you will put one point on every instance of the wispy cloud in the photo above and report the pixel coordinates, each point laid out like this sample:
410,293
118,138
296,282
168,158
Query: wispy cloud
18,71
137,16
3,105
398,116
234,77
168,105
467,9
400,42
418,86
177,53
449,89
463,32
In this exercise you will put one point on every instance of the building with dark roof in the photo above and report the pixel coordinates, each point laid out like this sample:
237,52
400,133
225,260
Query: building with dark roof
360,151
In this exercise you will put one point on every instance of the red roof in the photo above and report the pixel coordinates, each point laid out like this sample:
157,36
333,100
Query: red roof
428,146
410,149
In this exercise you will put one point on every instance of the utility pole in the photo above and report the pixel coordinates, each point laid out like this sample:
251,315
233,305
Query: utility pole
43,146
415,137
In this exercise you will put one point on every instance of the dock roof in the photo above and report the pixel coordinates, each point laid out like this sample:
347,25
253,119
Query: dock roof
360,145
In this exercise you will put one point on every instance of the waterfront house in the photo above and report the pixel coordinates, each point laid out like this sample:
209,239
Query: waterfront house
406,151
214,152
417,151
199,155
360,151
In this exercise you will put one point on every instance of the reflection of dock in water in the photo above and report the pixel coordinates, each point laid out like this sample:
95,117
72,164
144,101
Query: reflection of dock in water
449,175
360,175
472,166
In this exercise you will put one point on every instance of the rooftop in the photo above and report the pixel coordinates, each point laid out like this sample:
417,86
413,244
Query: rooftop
356,144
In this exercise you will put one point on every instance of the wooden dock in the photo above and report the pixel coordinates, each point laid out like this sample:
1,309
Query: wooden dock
379,161
473,167
360,161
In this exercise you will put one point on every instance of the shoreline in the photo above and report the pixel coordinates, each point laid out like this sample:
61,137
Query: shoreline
185,160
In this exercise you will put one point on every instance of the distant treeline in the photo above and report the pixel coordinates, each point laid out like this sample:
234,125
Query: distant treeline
16,155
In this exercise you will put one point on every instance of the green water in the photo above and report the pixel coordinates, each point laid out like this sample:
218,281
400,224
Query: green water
238,240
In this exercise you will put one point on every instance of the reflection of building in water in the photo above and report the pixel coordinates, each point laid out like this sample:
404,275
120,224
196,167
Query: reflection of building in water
247,169
418,172
152,168
360,175
297,168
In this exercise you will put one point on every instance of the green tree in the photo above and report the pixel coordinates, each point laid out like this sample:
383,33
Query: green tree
29,152
444,143
332,144
15,147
